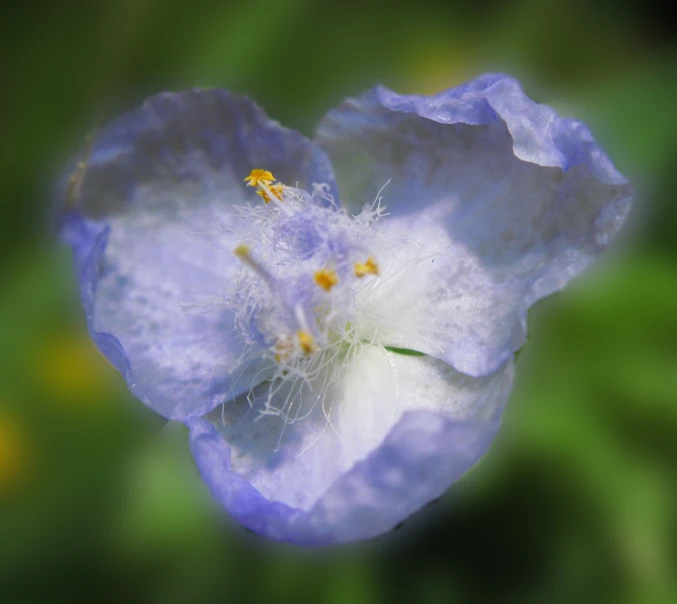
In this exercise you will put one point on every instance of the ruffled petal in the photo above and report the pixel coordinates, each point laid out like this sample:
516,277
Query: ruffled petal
494,200
388,435
154,228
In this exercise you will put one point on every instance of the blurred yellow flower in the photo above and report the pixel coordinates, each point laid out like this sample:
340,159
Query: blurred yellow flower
436,64
71,369
13,452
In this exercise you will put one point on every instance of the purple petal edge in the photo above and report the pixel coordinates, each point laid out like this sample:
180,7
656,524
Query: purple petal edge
88,240
540,135
420,458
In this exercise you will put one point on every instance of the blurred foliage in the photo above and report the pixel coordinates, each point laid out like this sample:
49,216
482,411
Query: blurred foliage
576,501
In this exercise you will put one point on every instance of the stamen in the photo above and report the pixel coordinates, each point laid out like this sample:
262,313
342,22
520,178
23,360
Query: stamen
326,278
276,190
306,341
243,253
257,177
362,269
268,193
301,318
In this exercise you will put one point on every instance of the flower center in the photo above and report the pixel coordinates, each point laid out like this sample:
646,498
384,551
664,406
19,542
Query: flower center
305,261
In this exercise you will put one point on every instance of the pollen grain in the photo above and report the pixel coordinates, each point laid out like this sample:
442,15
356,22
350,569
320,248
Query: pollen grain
306,341
242,251
362,269
326,278
257,177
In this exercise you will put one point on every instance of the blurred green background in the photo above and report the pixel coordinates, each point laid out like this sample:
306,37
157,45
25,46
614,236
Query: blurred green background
577,499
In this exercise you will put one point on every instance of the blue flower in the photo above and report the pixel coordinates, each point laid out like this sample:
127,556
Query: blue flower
339,360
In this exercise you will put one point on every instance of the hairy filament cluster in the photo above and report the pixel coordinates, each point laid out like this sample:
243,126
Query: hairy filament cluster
304,263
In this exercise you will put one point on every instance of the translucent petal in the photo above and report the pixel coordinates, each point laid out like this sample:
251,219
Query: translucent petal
495,201
389,434
154,228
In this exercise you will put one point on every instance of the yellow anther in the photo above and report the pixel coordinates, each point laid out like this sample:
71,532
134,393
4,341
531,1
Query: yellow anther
256,177
306,341
276,190
362,269
242,250
326,278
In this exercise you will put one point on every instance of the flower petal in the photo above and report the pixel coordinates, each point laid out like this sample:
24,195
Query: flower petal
500,201
154,228
390,434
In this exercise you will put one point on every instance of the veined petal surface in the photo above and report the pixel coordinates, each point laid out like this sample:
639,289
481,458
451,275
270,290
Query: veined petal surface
153,229
495,201
373,441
